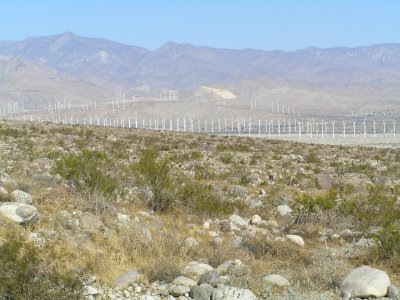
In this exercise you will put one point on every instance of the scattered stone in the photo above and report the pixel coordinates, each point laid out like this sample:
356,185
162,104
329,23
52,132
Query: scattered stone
127,278
182,280
21,197
237,191
263,192
238,221
255,219
232,293
365,282
295,239
197,268
276,280
206,225
211,277
92,223
201,292
178,290
20,213
283,210
4,195
226,226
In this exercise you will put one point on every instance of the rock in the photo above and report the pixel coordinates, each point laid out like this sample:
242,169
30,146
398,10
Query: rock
190,242
393,293
182,280
211,277
272,224
206,225
273,176
112,138
178,290
127,278
226,226
4,177
123,220
325,181
19,212
232,293
201,292
253,203
238,221
197,268
21,197
89,291
263,192
295,239
146,233
37,239
365,282
90,222
276,280
283,210
255,219
4,195
237,191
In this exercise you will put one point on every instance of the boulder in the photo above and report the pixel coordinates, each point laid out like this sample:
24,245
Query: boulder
295,239
182,280
21,197
365,282
197,268
283,210
211,277
201,292
4,195
20,213
92,223
178,290
238,221
255,219
232,293
127,278
276,280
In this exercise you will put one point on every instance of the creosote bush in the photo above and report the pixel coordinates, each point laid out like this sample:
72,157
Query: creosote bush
23,275
87,171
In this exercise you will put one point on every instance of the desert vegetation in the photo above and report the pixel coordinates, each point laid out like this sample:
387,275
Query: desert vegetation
112,204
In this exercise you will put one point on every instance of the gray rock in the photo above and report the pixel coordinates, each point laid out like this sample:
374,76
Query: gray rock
393,293
325,181
197,268
182,280
4,195
365,282
232,293
283,210
237,191
21,197
255,219
19,212
127,278
295,239
201,292
238,221
4,177
276,280
211,277
92,223
178,290
225,226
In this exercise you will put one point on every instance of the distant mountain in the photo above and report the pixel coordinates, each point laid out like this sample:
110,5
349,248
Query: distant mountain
372,70
36,85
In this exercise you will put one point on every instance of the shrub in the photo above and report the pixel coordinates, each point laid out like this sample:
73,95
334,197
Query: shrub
388,246
23,275
157,175
87,171
327,201
226,158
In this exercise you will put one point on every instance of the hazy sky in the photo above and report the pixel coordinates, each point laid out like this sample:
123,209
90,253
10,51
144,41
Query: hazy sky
275,24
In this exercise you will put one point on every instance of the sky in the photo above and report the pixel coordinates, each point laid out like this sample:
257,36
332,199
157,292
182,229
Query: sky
269,25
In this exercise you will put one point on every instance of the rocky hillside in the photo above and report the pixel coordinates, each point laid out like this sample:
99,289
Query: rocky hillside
106,213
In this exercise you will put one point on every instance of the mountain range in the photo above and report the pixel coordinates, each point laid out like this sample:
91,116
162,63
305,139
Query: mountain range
85,69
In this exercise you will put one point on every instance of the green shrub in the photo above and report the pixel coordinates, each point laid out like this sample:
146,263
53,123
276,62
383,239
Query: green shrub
23,275
226,158
388,244
327,201
156,175
87,171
